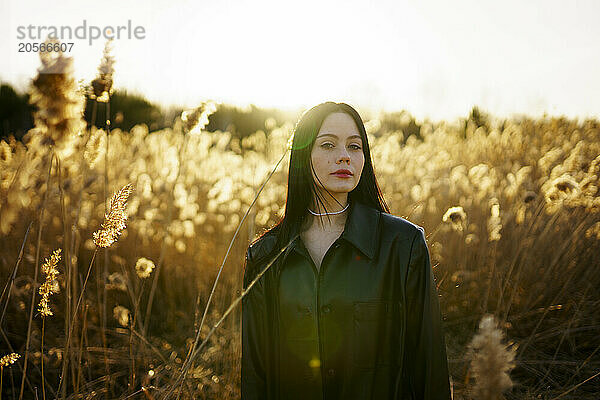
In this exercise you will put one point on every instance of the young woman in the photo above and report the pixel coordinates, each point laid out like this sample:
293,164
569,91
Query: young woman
349,308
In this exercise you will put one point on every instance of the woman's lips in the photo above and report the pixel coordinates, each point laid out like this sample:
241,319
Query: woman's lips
342,175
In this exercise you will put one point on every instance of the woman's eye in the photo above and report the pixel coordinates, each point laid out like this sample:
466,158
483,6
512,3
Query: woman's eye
330,145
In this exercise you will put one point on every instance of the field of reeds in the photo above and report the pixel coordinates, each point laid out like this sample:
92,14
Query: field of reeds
111,243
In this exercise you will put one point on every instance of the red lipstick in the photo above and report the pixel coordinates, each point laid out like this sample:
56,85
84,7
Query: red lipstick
342,173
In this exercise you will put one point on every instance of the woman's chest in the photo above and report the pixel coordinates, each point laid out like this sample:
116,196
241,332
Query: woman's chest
345,276
334,313
317,244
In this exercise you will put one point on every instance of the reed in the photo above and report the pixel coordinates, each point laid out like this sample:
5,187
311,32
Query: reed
491,361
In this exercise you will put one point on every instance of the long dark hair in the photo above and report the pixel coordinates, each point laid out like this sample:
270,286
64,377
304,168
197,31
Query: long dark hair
301,188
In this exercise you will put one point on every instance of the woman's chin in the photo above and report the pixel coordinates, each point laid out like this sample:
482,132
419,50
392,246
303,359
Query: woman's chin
340,188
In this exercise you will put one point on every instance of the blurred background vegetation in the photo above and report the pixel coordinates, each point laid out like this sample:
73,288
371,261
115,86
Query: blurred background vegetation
510,207
130,109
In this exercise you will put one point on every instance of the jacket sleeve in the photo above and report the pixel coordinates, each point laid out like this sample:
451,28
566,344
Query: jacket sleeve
254,323
425,362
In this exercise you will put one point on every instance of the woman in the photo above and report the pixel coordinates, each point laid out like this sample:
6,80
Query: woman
349,308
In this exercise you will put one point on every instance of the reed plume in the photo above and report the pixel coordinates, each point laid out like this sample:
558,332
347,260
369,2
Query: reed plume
457,217
102,85
59,102
195,120
122,315
144,267
491,361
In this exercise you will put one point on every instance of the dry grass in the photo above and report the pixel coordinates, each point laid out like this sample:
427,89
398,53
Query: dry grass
512,210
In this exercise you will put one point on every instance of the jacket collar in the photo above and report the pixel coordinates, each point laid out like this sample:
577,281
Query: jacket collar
361,228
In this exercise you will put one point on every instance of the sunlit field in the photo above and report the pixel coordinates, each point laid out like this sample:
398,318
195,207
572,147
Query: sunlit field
111,242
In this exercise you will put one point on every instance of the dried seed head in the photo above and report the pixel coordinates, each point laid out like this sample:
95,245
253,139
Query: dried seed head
121,314
55,93
102,85
195,120
566,184
494,223
144,267
115,220
491,361
9,359
95,147
5,152
47,288
116,281
456,216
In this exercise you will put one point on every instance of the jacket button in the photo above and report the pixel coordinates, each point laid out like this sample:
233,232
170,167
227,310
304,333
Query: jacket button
325,309
331,372
304,310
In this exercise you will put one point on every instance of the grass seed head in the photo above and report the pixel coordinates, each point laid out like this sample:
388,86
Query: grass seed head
144,267
115,220
48,287
491,361
9,359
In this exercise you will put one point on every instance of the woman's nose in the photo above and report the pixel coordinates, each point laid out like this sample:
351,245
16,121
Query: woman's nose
344,156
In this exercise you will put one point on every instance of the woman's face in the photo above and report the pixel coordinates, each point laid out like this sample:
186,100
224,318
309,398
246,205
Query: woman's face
338,146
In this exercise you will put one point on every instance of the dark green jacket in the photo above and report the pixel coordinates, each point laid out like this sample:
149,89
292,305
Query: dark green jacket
365,325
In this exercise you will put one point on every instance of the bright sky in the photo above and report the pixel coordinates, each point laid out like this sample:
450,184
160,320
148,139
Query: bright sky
435,59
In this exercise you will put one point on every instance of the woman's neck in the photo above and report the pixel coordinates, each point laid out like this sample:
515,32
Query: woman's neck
331,222
329,203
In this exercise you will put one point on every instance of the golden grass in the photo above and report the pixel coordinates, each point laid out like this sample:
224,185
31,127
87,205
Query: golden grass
9,359
115,220
511,208
46,288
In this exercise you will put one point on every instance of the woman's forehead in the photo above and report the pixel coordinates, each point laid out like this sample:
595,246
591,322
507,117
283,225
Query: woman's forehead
339,125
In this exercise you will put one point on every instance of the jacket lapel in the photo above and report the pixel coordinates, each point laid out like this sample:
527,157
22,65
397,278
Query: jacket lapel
362,228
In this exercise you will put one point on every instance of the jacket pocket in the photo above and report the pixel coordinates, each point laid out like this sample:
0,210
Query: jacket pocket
372,341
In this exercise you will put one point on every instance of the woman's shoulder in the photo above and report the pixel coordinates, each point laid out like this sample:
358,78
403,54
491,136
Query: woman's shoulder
256,251
395,226
262,246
